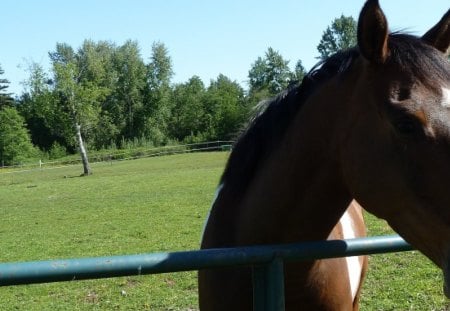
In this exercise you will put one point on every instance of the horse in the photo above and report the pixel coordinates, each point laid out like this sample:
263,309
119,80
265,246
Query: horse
370,124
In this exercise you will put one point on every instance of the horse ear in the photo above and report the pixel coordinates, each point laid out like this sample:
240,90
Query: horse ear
373,33
439,35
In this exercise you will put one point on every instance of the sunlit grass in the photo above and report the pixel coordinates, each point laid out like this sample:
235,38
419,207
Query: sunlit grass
401,281
147,205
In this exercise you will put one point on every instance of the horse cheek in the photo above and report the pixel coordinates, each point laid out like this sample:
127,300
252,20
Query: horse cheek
370,169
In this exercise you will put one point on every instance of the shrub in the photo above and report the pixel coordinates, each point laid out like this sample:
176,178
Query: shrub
57,151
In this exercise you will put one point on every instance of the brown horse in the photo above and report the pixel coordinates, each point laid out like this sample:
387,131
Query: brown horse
371,123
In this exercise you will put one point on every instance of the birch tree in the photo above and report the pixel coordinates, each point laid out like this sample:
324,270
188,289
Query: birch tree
79,101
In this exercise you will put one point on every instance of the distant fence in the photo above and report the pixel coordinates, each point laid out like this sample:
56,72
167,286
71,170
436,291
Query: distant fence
266,261
123,154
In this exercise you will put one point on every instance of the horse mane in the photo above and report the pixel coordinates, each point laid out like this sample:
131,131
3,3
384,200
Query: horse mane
267,128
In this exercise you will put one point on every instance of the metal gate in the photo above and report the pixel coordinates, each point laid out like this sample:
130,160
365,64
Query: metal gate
267,263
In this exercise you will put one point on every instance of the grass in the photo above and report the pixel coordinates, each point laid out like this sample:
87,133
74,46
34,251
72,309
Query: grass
401,281
149,205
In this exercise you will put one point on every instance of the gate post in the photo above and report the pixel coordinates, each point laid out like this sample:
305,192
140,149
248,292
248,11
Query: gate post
268,286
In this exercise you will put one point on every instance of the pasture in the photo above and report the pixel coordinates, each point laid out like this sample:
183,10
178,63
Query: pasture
149,205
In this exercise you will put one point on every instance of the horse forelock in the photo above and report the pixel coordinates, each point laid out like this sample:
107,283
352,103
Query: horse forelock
419,59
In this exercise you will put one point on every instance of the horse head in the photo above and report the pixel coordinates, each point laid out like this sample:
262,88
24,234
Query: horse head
396,151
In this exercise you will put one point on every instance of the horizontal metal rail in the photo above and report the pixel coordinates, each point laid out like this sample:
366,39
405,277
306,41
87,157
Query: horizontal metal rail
153,263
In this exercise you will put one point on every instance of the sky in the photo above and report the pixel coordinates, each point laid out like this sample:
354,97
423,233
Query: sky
204,37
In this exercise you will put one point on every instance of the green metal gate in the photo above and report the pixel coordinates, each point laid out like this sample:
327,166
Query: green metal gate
267,263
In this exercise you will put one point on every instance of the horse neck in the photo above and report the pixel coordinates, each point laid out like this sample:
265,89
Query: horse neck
299,194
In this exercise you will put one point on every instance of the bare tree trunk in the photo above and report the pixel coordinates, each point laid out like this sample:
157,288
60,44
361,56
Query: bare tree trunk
83,153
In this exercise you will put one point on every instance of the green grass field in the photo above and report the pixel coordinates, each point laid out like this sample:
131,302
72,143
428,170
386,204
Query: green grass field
149,205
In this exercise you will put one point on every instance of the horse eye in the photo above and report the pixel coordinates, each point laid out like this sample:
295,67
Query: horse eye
403,122
404,94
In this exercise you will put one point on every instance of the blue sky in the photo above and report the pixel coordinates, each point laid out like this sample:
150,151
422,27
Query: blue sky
204,37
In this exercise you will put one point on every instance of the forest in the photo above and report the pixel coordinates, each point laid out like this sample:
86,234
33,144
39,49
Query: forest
102,95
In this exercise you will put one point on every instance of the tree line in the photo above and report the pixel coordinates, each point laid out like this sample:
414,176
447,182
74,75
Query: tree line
102,95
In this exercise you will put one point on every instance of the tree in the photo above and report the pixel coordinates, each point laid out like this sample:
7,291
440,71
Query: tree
79,100
299,71
5,98
39,106
97,60
128,93
158,106
269,75
225,108
15,142
188,114
72,99
160,70
340,35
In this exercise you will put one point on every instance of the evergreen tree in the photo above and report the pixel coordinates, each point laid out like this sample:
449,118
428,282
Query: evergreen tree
6,99
299,71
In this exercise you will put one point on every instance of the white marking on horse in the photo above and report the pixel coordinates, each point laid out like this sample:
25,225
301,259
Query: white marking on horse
445,101
216,195
354,266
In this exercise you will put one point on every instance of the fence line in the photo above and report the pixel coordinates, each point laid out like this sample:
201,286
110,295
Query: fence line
110,157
